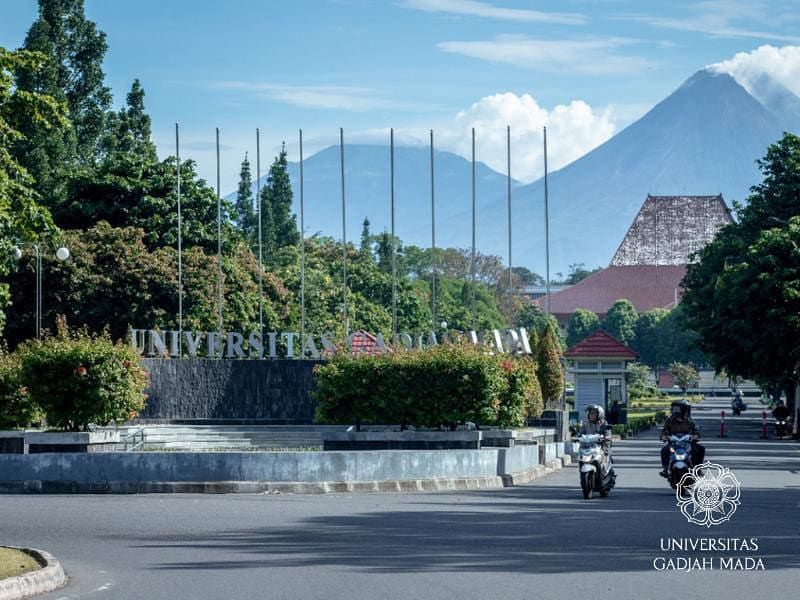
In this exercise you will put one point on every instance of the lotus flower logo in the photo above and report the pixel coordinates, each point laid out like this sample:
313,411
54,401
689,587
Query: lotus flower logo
708,494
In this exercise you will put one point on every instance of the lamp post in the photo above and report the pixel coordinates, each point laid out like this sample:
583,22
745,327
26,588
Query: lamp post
62,254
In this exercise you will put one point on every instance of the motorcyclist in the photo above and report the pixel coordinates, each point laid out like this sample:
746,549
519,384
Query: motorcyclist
679,423
595,421
781,411
737,404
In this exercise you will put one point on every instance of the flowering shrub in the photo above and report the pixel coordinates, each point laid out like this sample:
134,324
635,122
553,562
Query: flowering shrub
441,386
16,407
79,379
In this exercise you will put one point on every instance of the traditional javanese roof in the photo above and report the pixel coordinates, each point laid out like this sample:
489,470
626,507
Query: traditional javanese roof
668,229
646,286
600,345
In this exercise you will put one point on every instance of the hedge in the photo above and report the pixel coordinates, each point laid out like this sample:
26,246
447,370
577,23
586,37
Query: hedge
437,387
79,379
16,407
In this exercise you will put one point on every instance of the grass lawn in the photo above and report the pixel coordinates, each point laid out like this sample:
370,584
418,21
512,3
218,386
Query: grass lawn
14,562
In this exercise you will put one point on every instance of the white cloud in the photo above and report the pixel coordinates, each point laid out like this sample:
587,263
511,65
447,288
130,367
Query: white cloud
729,19
572,130
782,64
591,57
483,9
351,98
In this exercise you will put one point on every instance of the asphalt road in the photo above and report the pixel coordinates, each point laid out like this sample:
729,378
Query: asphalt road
541,540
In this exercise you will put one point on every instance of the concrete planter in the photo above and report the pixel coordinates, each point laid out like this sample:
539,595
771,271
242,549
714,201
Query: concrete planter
403,440
35,442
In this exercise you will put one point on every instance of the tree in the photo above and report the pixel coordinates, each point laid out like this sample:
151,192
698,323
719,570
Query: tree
365,249
578,272
685,375
581,324
527,277
73,73
741,296
114,280
647,342
278,224
551,374
127,134
22,218
245,216
620,321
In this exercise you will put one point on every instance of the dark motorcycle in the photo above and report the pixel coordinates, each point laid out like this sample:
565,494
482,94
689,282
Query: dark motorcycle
680,458
780,428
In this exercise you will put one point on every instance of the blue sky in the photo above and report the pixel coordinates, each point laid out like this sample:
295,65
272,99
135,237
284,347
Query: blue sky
586,68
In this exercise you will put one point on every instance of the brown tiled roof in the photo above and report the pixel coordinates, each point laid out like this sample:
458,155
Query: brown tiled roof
600,345
646,286
668,229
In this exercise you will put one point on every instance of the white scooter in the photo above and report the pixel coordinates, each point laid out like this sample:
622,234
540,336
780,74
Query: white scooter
595,465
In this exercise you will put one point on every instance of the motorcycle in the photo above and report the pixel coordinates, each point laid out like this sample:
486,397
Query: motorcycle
738,406
595,465
680,458
780,428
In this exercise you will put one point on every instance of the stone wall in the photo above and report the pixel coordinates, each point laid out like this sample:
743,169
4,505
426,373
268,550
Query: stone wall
244,391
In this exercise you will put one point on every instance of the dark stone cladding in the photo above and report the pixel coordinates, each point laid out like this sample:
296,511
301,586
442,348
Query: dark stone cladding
197,390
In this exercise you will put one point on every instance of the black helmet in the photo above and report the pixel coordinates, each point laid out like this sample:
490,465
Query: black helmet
681,405
601,414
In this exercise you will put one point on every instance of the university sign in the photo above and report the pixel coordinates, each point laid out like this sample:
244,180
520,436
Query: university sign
290,344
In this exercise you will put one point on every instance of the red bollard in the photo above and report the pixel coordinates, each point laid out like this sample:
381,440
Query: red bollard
722,424
763,424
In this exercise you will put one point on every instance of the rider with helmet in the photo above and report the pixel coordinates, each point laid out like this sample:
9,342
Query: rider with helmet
595,421
679,423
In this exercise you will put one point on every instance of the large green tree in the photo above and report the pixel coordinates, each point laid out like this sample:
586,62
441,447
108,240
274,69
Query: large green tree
278,223
22,218
73,73
742,295
550,371
620,321
246,218
581,324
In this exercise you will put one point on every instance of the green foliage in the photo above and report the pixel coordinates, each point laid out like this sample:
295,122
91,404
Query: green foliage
113,280
685,375
246,219
80,379
22,219
73,73
620,321
639,383
648,341
16,407
581,324
438,387
278,224
741,297
578,272
550,371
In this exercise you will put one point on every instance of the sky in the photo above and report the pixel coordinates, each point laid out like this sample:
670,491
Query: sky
583,68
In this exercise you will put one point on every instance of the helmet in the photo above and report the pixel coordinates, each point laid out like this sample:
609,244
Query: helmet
680,407
601,414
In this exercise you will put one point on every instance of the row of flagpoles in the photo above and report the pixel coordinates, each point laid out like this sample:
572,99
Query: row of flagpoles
344,231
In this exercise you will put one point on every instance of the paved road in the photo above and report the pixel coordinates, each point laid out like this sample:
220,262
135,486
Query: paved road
536,541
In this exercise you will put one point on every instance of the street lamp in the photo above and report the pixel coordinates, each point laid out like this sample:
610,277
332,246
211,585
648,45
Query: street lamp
62,254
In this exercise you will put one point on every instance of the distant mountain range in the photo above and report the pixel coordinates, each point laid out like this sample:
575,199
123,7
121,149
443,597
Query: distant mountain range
702,139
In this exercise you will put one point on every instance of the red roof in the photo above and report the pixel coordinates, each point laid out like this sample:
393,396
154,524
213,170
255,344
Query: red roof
600,345
646,286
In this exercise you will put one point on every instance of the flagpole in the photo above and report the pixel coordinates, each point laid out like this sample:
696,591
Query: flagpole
180,235
219,246
472,257
344,234
508,190
433,242
260,241
302,251
394,250
546,229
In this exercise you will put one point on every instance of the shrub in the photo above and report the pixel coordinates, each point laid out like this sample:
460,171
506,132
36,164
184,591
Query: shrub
16,407
80,379
441,386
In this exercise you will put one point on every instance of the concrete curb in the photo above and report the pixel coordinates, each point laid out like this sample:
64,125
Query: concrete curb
250,487
522,477
280,487
50,577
